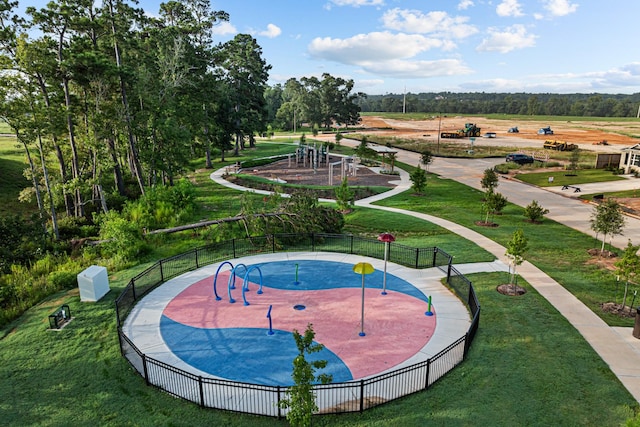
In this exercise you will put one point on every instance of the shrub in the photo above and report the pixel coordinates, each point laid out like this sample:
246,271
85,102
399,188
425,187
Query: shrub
534,212
121,237
344,195
419,180
62,279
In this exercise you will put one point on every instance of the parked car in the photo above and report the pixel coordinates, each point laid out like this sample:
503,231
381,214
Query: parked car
521,159
489,135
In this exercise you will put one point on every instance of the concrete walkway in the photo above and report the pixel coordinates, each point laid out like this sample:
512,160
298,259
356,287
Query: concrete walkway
616,346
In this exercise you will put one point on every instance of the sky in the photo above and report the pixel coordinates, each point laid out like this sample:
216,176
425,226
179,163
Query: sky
413,46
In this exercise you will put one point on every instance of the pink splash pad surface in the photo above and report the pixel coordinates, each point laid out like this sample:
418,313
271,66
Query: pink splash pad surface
395,324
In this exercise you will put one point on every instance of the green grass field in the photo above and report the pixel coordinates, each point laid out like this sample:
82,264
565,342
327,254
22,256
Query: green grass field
584,176
527,366
12,180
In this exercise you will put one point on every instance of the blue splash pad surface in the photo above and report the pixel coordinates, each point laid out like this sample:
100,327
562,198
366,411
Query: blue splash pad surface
250,354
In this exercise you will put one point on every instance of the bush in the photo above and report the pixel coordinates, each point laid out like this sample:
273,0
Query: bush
534,212
344,195
63,280
122,238
419,180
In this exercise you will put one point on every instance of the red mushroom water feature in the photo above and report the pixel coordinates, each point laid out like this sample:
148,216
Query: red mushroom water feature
386,238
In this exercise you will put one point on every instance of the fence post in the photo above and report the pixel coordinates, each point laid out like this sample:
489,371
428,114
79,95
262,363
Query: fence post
117,317
313,242
133,288
361,396
233,247
417,257
279,408
351,244
273,243
449,272
144,369
197,265
201,391
426,379
120,340
435,254
161,272
466,346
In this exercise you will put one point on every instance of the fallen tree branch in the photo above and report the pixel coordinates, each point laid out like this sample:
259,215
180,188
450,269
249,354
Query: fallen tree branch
216,221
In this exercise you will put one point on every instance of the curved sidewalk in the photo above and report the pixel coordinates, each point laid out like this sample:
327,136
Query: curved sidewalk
616,346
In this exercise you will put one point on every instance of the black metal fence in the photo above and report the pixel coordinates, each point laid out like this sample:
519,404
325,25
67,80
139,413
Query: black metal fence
354,396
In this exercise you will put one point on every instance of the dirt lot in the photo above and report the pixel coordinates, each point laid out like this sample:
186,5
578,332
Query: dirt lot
582,133
587,134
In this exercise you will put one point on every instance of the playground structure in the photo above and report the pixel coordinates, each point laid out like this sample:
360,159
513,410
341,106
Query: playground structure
314,157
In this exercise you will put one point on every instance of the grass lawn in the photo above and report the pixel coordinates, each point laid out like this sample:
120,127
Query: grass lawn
584,176
527,366
12,181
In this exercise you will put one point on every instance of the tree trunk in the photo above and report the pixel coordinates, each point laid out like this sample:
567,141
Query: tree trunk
61,162
137,169
75,162
54,218
34,180
117,170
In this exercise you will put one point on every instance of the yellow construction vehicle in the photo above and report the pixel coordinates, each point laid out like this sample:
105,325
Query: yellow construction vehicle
559,145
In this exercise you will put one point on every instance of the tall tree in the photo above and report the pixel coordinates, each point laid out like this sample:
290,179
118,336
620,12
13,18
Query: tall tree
120,17
60,20
246,74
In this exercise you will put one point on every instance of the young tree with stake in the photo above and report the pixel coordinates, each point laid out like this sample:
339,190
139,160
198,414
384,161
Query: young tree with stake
607,219
516,248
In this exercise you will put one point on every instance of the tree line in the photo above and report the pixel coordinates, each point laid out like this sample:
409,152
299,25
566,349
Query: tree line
317,102
577,104
122,101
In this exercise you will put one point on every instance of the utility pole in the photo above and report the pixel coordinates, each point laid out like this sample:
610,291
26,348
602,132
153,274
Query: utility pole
439,124
404,101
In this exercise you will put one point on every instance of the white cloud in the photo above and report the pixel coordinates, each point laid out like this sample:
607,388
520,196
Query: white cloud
465,4
625,79
271,32
560,7
224,29
509,8
388,54
399,68
357,3
376,46
512,38
437,22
